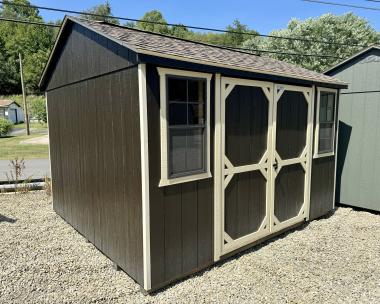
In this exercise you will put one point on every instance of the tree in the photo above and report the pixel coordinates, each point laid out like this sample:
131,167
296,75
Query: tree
237,33
153,16
101,9
345,29
33,42
38,109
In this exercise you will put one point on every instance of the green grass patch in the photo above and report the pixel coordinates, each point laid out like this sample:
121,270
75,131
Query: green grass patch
33,125
10,148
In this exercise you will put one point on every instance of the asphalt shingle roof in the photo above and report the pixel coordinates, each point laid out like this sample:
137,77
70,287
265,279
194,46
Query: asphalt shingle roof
160,45
5,102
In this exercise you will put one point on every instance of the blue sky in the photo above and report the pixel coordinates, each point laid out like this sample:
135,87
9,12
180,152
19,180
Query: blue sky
261,15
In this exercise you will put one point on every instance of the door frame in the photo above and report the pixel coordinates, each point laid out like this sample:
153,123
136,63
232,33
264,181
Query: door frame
221,93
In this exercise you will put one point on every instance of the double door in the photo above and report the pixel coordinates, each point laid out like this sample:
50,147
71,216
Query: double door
263,160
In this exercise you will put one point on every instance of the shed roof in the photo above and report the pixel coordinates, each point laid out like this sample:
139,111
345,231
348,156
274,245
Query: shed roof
159,45
362,52
7,102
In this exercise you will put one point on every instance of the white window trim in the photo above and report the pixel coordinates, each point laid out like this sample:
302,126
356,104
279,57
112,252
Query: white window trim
165,180
316,136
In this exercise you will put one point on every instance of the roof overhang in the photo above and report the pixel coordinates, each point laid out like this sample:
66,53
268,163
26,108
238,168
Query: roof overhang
362,52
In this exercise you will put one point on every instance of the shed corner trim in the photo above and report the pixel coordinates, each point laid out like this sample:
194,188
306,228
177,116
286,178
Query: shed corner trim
144,174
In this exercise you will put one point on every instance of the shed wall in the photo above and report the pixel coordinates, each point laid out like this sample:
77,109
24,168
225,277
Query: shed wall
358,169
85,54
94,133
181,216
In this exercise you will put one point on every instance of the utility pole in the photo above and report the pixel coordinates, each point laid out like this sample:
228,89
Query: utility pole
24,97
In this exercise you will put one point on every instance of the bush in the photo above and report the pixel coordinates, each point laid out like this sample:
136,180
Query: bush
38,109
5,126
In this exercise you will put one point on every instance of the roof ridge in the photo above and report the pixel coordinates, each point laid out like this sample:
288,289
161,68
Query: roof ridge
167,36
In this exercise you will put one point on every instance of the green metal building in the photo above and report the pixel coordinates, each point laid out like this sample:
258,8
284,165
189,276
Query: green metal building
358,166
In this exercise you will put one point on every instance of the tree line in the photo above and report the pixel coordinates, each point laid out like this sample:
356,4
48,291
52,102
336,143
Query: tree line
35,42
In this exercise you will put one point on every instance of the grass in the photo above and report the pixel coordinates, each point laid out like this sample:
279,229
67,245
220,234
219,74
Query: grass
10,148
18,98
33,125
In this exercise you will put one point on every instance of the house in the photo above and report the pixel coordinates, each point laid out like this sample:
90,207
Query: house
11,110
358,170
170,155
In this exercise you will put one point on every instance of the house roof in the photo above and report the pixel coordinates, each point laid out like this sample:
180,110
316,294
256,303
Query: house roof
362,52
7,102
159,45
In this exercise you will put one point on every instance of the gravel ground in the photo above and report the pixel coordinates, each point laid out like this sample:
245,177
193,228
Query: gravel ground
333,260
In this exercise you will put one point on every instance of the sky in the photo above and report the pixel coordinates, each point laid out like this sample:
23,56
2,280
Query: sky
261,15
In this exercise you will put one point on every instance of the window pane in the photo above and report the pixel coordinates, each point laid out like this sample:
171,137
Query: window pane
196,115
177,89
326,133
186,150
177,151
177,114
323,108
194,151
197,90
330,107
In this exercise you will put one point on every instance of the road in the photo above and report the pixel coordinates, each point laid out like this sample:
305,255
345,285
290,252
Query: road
34,168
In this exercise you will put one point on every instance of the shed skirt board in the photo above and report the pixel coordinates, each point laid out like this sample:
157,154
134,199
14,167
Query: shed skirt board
263,138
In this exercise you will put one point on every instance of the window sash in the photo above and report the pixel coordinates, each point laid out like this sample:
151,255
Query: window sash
326,121
200,121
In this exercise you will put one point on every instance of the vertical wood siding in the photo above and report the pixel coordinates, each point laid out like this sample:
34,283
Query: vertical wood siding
322,186
95,148
86,54
358,168
181,216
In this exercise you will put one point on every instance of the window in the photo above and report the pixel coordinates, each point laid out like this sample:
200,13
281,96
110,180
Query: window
325,130
185,127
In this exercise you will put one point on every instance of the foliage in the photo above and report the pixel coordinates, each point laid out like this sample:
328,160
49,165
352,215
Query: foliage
344,29
153,16
101,9
33,42
38,109
5,126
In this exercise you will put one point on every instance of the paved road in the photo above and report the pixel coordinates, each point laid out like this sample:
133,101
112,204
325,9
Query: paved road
34,168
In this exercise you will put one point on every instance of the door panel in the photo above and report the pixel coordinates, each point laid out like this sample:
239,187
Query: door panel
291,155
246,109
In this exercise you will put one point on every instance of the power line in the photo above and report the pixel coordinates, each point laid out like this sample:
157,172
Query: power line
216,45
311,39
344,5
28,22
373,1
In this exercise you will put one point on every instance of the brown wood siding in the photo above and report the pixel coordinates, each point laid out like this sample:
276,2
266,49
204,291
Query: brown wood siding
322,186
94,133
322,194
86,54
181,216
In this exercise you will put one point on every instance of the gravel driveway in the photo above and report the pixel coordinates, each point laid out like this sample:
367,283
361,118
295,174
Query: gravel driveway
333,260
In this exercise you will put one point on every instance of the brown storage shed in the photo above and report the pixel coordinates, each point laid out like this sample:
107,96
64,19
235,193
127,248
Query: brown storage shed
170,155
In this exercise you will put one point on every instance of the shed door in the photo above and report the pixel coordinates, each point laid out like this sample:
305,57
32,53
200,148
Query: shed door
262,160
291,157
246,115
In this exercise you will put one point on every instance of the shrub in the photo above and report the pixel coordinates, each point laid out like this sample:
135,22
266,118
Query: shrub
5,126
38,109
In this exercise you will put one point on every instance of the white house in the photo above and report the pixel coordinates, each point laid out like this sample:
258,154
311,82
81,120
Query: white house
11,110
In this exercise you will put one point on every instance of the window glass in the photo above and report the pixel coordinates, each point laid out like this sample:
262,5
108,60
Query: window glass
326,122
196,113
177,89
186,123
177,113
197,90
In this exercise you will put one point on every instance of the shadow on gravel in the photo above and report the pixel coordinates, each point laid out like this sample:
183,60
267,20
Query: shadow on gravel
249,248
4,218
